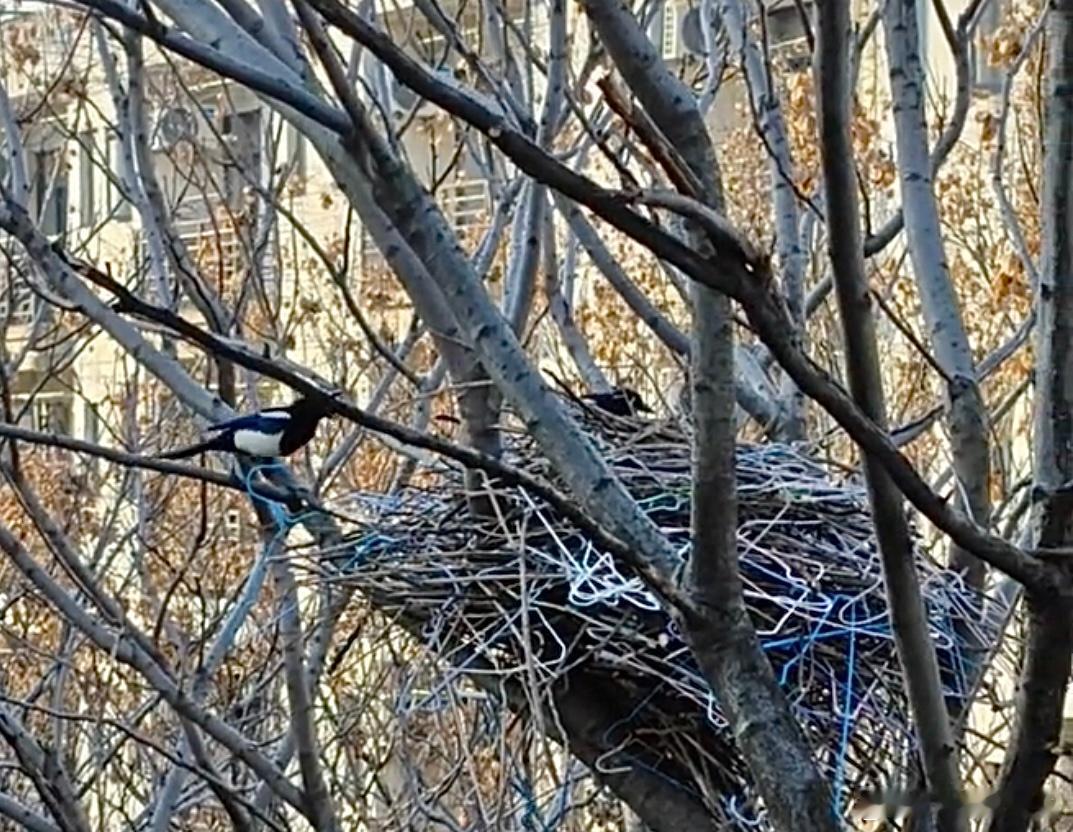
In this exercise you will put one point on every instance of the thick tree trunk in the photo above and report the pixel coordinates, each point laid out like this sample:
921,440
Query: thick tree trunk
915,649
1045,675
721,634
967,415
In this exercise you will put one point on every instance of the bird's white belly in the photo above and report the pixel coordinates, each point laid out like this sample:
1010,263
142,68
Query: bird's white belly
255,443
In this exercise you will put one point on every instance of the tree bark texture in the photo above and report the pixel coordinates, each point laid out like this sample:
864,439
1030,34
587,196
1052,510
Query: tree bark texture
1045,674
967,415
845,248
720,633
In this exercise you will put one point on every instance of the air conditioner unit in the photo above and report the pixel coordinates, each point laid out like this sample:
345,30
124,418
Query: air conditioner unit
171,126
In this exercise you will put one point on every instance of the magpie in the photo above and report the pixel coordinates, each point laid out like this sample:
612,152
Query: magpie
278,431
619,401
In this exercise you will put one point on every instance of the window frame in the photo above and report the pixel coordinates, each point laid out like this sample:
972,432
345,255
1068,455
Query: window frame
29,406
50,190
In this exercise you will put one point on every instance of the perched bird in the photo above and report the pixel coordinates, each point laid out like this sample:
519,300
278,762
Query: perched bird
278,431
619,401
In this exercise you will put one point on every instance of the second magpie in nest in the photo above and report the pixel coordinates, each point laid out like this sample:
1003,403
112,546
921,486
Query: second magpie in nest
619,401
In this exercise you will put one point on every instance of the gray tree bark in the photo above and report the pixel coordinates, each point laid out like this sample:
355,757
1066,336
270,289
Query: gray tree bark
1045,673
915,649
719,629
793,258
967,414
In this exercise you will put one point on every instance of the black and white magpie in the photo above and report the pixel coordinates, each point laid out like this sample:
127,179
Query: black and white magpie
619,401
277,431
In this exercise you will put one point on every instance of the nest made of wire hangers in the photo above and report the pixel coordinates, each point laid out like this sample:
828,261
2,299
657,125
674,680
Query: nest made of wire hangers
531,595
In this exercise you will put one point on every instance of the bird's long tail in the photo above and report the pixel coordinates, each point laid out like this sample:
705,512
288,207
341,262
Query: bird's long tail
214,444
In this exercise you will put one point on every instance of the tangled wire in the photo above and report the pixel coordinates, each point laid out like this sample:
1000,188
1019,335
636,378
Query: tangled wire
531,598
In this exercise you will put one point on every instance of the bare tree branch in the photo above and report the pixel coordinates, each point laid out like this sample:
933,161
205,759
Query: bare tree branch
47,772
766,314
878,241
126,650
24,816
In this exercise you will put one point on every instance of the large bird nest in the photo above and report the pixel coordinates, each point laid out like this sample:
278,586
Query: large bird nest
531,596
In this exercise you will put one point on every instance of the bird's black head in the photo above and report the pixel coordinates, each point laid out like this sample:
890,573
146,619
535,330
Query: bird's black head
314,407
620,401
633,400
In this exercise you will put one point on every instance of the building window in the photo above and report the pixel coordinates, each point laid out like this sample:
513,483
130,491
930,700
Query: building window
787,34
233,524
87,174
465,203
17,300
52,415
784,24
92,423
48,195
119,206
98,175
242,132
45,412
